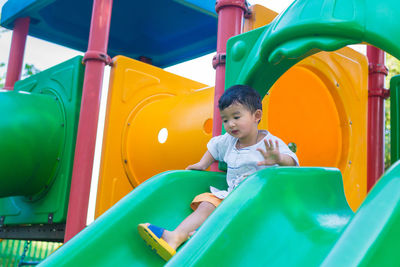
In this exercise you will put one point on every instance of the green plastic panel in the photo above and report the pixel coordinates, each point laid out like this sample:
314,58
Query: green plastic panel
258,58
372,237
29,154
395,119
281,216
61,84
113,240
276,217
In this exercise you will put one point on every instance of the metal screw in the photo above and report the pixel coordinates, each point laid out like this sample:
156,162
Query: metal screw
350,162
351,122
125,161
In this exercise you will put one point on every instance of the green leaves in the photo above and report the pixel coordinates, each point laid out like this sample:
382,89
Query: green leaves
394,69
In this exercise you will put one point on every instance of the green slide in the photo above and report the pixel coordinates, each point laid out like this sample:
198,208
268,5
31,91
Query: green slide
281,216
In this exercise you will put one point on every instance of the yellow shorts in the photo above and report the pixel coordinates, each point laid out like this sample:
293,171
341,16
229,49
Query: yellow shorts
208,197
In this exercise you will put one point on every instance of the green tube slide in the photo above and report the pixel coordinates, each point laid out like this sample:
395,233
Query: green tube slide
31,138
281,216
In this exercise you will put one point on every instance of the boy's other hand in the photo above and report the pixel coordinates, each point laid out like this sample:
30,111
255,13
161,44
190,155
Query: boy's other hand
203,164
196,166
271,155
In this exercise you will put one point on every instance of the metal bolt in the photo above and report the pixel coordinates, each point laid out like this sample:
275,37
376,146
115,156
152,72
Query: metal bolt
125,161
351,122
337,85
350,162
129,124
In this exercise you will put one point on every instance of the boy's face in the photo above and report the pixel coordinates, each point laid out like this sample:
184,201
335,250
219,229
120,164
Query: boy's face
239,121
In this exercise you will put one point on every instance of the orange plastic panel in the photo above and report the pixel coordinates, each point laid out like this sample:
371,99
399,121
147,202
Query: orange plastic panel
167,135
142,101
260,16
321,105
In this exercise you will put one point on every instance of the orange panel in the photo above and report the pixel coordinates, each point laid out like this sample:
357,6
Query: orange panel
321,105
142,100
260,16
302,110
167,135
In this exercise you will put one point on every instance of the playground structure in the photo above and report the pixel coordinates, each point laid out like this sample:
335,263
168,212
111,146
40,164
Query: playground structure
330,87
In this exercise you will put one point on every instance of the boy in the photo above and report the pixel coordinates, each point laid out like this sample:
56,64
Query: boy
244,148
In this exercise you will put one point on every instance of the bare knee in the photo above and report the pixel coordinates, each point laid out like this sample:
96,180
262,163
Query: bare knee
206,207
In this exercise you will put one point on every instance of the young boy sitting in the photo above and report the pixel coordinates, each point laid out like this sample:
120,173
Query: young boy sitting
244,148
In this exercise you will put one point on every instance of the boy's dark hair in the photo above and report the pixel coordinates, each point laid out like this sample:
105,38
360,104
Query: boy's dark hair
242,94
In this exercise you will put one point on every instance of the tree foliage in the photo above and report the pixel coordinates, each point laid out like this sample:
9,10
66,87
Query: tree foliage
28,69
394,69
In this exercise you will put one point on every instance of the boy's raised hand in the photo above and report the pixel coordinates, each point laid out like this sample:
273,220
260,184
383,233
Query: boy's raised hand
271,155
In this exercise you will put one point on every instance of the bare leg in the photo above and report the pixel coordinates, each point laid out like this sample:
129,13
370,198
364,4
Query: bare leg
189,224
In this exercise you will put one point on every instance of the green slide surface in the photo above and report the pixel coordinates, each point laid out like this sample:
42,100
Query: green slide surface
281,216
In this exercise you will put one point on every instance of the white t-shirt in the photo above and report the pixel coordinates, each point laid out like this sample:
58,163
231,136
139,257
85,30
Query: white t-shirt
241,162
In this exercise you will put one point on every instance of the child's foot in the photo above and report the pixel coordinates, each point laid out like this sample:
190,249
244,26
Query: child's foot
172,238
152,235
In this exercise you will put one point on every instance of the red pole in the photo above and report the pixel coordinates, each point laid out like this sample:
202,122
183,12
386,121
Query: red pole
17,50
230,18
376,115
96,58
